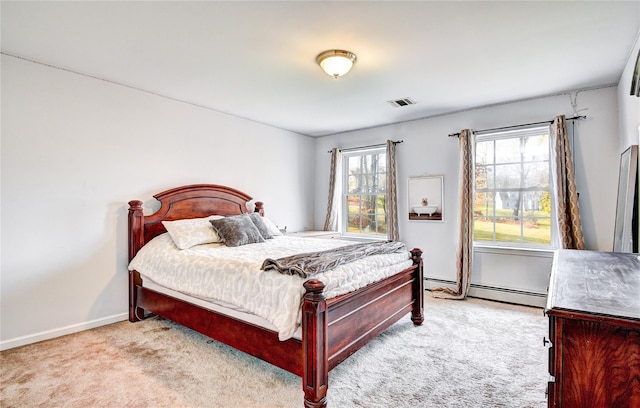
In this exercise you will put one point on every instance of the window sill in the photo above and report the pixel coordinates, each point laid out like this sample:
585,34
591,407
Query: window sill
363,238
493,249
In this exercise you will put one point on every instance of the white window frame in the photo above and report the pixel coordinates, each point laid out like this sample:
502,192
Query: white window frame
344,219
512,134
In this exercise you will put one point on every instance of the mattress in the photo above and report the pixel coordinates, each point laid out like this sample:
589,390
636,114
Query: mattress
231,276
226,309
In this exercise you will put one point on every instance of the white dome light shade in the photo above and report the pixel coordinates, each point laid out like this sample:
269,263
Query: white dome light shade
336,62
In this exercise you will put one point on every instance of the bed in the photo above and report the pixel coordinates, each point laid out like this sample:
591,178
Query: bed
331,329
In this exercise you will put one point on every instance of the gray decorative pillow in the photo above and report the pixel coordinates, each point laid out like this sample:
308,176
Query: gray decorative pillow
237,230
260,225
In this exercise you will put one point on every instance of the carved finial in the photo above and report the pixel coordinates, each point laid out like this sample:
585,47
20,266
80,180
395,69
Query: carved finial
416,255
314,286
135,205
259,208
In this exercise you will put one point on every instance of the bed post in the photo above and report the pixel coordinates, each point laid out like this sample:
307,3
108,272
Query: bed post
134,282
315,376
417,316
136,241
136,228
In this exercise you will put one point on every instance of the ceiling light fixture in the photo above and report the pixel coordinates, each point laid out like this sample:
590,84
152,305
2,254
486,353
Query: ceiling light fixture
336,62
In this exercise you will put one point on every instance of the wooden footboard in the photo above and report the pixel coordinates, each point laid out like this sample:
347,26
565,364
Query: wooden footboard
332,329
358,317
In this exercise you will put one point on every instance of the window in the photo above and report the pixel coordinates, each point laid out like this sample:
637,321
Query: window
512,196
364,198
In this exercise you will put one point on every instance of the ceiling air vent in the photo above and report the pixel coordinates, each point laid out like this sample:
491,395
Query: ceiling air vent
398,103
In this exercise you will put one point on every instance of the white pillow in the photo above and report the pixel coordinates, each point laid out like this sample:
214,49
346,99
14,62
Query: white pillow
193,231
272,227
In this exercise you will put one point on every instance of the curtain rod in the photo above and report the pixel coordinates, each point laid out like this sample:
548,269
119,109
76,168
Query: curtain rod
517,126
366,147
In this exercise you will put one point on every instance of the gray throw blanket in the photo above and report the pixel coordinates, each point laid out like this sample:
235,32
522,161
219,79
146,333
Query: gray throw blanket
310,263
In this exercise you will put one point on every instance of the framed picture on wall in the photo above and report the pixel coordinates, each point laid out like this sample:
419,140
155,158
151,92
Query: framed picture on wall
626,226
426,198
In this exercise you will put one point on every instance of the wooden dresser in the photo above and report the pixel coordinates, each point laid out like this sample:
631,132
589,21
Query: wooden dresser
594,330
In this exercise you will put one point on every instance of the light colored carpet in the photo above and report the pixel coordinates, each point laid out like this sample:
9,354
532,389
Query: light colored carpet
471,353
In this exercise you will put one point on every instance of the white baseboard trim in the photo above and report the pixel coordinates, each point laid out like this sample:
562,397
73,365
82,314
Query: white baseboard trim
62,331
495,293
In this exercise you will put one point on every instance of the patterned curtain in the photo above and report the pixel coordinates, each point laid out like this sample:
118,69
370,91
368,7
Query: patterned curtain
392,194
333,205
564,184
464,255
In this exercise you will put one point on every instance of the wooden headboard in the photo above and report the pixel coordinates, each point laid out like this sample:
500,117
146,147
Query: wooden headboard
192,201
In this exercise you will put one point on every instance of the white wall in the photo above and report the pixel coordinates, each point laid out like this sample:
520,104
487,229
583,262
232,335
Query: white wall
75,150
428,149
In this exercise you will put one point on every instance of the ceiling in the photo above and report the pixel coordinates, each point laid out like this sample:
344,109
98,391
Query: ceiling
256,60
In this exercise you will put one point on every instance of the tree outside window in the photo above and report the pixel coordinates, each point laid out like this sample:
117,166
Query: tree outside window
364,200
512,198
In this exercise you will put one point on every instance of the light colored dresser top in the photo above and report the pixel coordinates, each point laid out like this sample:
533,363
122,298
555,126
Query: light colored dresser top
599,283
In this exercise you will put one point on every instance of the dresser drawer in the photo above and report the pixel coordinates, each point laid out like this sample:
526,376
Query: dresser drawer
551,394
552,341
552,360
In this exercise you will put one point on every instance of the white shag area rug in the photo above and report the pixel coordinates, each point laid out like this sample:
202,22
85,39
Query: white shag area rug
470,353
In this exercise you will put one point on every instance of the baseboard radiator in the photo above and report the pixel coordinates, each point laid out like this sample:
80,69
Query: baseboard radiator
508,295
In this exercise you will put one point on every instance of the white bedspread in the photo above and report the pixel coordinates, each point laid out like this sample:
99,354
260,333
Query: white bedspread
232,274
